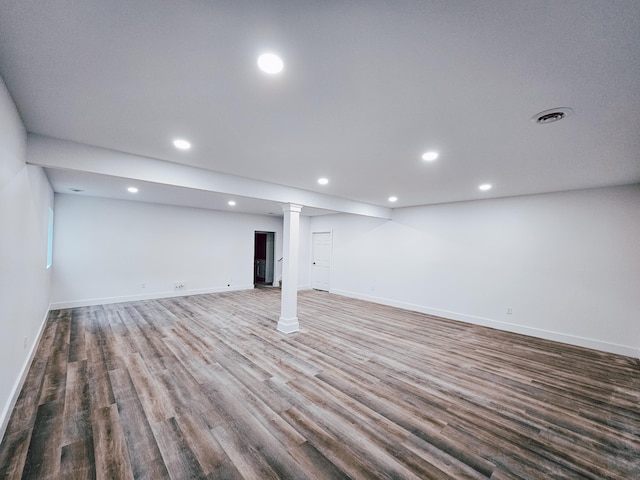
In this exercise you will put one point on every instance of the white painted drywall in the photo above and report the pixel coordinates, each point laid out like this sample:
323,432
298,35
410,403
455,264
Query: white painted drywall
304,265
25,197
568,263
51,152
105,250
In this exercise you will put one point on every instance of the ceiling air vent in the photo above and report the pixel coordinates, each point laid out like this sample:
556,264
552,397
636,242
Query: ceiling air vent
550,116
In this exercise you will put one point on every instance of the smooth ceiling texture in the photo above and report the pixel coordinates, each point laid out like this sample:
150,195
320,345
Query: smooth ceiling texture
366,89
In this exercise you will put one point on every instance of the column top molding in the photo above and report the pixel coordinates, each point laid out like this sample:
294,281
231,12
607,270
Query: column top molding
291,207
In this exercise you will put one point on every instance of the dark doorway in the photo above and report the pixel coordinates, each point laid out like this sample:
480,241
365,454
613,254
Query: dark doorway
263,256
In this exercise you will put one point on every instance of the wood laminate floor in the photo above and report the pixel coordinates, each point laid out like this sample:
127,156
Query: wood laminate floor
205,387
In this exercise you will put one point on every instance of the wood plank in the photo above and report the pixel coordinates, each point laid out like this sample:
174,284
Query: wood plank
144,454
155,401
77,404
111,455
178,456
13,453
43,456
77,350
77,460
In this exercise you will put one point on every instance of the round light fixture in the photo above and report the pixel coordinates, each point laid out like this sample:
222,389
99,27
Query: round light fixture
484,187
270,63
323,181
393,199
132,190
231,203
429,156
181,144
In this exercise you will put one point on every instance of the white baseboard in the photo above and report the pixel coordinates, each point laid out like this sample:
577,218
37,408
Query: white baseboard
147,296
17,387
509,327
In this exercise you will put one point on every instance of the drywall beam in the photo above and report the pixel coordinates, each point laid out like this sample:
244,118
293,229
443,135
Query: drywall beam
54,153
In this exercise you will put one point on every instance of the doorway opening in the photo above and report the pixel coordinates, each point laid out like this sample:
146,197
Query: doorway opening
263,259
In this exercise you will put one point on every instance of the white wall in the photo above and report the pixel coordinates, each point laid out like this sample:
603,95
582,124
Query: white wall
105,250
568,263
25,197
304,266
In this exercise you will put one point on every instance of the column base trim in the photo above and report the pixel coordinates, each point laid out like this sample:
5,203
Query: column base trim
288,325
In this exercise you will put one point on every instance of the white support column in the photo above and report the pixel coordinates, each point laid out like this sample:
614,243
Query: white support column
288,322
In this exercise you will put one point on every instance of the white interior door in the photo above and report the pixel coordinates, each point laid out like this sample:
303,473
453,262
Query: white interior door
321,268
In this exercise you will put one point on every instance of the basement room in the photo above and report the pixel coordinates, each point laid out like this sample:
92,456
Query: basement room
320,240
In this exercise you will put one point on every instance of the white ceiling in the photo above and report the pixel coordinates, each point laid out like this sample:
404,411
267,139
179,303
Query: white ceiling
368,86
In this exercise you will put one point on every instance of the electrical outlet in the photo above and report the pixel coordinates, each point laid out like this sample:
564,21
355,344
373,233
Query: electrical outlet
179,286
509,310
143,285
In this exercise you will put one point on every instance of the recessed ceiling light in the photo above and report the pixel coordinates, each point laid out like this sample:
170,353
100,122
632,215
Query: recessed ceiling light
231,203
393,199
132,190
429,156
181,144
270,63
323,181
484,187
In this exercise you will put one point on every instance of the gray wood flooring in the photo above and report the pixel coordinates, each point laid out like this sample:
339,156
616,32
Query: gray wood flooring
205,387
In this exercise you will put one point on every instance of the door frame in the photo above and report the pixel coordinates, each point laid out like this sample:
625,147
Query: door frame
270,254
